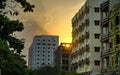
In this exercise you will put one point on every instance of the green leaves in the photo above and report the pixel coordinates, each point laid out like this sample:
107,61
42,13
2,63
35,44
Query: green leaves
23,4
7,28
10,62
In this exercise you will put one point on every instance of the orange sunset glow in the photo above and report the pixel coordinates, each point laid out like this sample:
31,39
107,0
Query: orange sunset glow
50,17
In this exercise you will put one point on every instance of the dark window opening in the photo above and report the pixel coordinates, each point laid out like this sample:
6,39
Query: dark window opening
97,63
97,49
117,39
96,9
117,20
97,22
38,43
97,36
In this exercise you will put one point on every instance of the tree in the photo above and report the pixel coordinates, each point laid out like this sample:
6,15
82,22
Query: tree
11,63
11,6
8,27
47,70
11,60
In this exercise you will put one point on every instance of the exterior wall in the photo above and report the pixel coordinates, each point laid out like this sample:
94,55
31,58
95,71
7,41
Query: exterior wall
115,36
43,50
62,56
105,48
83,39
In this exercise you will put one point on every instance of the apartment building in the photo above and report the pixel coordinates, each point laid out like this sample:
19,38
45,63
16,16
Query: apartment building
114,37
86,30
63,56
41,52
110,37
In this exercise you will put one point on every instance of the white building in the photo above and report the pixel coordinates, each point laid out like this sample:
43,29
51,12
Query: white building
41,52
86,54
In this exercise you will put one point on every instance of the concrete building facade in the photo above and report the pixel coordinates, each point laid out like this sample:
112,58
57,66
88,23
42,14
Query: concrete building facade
110,37
86,54
63,56
114,37
105,47
41,52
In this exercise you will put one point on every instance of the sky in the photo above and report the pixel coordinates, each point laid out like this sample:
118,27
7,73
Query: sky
50,17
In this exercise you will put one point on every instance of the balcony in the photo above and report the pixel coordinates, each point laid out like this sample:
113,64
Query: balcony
105,37
105,52
80,28
105,70
104,6
87,61
87,48
117,28
105,22
81,39
87,22
87,34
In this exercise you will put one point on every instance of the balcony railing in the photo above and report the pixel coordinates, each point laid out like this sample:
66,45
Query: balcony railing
105,37
105,52
104,6
105,22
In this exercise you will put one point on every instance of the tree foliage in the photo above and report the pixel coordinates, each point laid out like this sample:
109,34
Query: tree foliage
47,70
11,63
7,28
12,4
11,60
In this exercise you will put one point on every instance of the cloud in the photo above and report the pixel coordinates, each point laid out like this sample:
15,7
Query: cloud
49,17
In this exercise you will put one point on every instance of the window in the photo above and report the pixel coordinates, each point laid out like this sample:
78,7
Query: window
37,62
54,48
48,55
97,49
43,40
111,45
38,47
117,20
48,51
97,9
48,40
49,44
117,39
67,62
97,62
38,51
97,22
37,58
48,59
43,55
43,47
112,61
37,66
38,43
43,63
54,40
43,59
48,63
97,36
43,51
48,47
43,44
63,61
54,44
37,55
